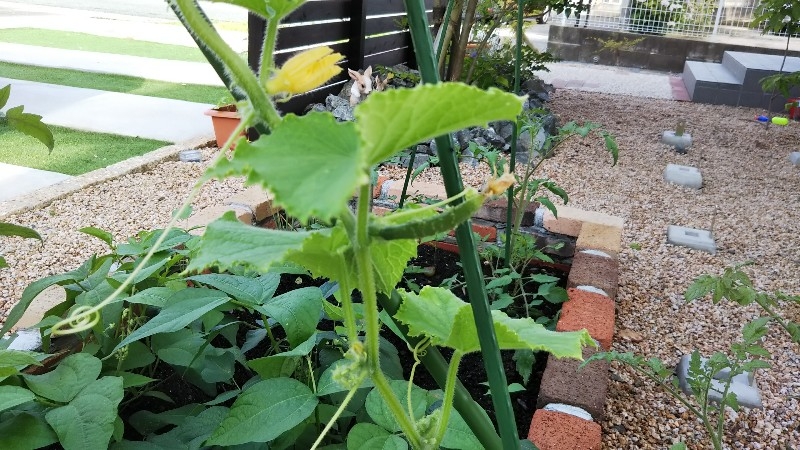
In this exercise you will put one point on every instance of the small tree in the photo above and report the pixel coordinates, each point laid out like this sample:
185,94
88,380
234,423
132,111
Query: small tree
779,16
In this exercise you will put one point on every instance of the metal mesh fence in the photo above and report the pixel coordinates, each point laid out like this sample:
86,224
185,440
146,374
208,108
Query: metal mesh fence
669,17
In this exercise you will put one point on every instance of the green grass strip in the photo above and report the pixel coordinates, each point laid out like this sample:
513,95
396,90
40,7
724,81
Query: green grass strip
76,152
116,83
69,40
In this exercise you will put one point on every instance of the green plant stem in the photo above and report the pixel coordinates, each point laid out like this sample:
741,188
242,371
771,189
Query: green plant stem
336,415
271,337
513,158
490,349
372,321
240,73
775,316
721,413
267,60
434,362
443,32
449,392
349,221
407,180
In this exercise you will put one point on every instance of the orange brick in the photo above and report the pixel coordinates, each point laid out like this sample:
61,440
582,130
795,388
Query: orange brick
257,200
207,215
552,430
429,190
571,220
594,312
485,231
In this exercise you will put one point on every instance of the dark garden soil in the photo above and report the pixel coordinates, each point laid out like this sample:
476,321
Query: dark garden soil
441,265
436,266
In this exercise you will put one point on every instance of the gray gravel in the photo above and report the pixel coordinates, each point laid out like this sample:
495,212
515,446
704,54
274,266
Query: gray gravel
122,206
751,194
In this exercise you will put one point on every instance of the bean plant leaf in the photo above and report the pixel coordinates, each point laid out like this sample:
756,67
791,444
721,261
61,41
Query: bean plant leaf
311,164
86,422
244,289
228,242
380,413
10,229
30,293
448,321
193,431
14,358
11,396
367,436
26,431
64,382
183,308
297,311
282,403
146,422
103,235
30,124
399,118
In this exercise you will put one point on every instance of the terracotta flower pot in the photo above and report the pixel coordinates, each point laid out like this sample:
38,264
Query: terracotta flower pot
225,119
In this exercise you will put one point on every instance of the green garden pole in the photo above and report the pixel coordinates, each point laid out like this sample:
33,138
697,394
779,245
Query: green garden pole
513,162
498,385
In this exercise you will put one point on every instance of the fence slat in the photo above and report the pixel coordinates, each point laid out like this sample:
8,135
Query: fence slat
314,10
311,34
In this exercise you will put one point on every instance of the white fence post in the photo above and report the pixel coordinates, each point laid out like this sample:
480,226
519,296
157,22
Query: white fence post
719,17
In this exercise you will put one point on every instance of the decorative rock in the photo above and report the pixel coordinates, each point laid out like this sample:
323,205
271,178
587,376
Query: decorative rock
743,384
568,409
592,289
27,340
794,157
190,155
684,176
681,143
692,238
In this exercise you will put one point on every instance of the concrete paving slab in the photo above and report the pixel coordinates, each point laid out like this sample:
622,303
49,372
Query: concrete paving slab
135,66
684,176
692,238
16,181
111,112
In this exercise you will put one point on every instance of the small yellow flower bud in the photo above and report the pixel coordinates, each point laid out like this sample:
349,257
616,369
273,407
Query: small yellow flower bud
305,71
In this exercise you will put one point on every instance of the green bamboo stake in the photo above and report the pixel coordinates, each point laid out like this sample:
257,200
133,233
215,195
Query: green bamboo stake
423,47
512,164
434,362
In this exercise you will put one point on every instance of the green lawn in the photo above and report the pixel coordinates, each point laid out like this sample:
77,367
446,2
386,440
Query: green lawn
75,153
91,43
115,83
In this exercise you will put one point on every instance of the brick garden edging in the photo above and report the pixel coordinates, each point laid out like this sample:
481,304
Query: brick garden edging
571,402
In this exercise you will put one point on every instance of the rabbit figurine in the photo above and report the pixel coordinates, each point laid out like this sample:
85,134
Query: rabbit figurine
380,85
362,85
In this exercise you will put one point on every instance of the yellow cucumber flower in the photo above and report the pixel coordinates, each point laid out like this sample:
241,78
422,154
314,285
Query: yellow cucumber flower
305,71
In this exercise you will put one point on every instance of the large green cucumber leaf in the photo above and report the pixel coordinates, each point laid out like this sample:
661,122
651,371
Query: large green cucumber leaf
265,411
330,255
448,321
311,164
228,243
393,120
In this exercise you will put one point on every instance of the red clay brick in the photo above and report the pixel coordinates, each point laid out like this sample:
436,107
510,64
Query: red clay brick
565,382
594,312
485,230
552,430
594,270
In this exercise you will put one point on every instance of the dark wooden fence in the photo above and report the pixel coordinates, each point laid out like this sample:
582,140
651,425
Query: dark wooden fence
350,28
